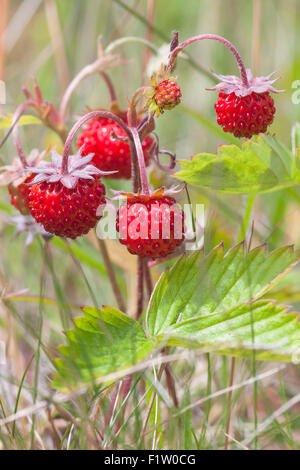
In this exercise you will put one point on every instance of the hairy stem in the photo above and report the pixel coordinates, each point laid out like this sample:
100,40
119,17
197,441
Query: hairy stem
99,65
127,39
214,37
141,161
18,113
19,148
79,124
110,87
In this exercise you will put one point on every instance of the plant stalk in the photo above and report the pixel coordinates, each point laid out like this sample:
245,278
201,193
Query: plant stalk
214,37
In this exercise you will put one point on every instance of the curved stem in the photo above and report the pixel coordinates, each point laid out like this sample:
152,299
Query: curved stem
18,113
135,174
155,155
119,42
110,87
141,160
78,124
214,37
101,63
19,147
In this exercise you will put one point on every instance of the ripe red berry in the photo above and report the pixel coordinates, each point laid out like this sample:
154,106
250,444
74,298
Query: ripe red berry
245,109
245,116
67,212
67,202
15,177
19,195
150,226
110,153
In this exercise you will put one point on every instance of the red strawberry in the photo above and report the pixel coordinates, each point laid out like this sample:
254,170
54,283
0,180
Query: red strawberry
110,154
67,205
67,212
163,95
15,177
245,116
151,226
245,110
19,195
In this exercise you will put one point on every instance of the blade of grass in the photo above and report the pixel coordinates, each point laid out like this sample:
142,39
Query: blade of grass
19,392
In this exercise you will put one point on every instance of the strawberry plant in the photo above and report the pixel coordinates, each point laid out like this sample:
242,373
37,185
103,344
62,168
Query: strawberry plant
177,292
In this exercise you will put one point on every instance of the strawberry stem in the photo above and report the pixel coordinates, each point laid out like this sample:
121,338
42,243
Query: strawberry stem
141,160
110,87
224,41
98,65
79,124
18,113
19,147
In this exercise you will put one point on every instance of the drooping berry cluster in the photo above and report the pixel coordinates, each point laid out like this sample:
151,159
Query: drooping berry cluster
151,226
110,153
245,116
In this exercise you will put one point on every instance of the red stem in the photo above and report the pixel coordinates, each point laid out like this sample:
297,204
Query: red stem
224,41
18,113
19,147
77,126
141,160
110,86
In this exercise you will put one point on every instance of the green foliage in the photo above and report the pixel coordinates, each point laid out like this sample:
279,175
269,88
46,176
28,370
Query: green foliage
6,121
102,342
204,302
265,165
210,302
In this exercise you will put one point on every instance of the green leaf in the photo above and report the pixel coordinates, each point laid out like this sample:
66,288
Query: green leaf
6,121
200,285
261,326
210,302
101,342
265,165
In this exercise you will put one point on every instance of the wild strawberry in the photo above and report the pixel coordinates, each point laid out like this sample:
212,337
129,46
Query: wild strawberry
67,205
19,195
150,226
163,95
245,116
110,153
15,177
245,110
